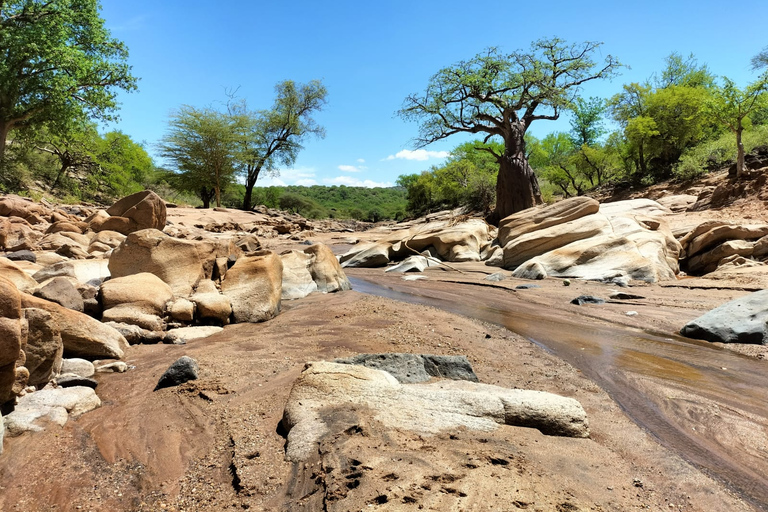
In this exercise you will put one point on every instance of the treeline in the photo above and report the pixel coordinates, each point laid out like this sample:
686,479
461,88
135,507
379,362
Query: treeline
321,202
678,124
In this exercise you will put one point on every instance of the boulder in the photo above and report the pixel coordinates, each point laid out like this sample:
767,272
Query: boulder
44,347
708,261
415,263
367,255
81,335
323,389
182,370
587,299
67,226
17,234
11,340
22,256
326,270
534,243
297,280
182,310
104,241
182,264
254,286
712,233
77,366
136,335
15,206
631,207
70,381
35,410
212,306
142,210
677,203
138,299
15,274
742,320
61,291
412,368
543,217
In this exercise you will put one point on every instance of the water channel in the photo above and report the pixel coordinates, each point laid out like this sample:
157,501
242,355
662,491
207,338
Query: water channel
708,404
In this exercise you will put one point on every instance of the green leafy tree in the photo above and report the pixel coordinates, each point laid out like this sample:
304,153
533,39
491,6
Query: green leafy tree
73,151
587,121
500,95
269,138
731,106
201,145
58,65
124,166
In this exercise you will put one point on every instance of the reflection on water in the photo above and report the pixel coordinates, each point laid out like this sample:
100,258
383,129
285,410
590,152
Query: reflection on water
640,371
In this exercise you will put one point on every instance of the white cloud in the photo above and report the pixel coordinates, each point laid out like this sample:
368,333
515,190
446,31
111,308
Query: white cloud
418,154
300,176
361,160
352,168
351,181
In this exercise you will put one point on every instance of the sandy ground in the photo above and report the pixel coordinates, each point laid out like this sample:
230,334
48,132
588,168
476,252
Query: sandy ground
215,443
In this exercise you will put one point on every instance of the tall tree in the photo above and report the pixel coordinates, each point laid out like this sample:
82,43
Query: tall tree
731,106
58,65
201,144
501,95
269,138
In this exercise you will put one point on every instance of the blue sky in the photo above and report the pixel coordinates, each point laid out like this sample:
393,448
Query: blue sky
371,55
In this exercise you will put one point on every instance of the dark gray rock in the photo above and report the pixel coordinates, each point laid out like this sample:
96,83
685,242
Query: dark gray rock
61,291
69,381
449,367
624,296
182,370
412,368
587,299
739,321
526,286
22,256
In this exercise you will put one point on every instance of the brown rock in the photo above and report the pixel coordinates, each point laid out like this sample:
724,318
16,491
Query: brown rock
182,264
81,335
534,219
10,336
61,291
254,285
44,348
138,299
326,270
15,206
12,272
143,210
68,226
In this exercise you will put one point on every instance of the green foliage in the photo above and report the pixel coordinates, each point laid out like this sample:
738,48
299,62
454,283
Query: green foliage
59,66
587,121
717,153
202,145
271,138
468,178
339,202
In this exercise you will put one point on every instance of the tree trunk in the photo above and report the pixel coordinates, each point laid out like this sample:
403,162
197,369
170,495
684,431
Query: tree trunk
516,186
739,152
250,182
4,131
217,191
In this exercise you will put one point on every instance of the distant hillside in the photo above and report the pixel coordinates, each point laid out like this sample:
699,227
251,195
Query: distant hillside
336,202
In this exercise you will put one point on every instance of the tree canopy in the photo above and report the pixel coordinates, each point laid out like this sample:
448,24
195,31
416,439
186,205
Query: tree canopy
268,138
58,65
201,144
500,95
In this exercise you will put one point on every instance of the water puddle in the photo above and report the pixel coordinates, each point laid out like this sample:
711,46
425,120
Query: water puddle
646,374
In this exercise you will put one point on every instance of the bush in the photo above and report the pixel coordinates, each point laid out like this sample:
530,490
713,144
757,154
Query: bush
718,153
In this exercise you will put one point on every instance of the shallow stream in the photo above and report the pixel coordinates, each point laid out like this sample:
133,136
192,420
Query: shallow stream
708,404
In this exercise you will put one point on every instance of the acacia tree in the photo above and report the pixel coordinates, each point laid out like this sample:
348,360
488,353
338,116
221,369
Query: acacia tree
269,138
201,145
501,95
58,65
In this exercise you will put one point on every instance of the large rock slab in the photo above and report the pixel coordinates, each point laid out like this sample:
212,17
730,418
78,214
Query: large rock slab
17,234
182,264
81,335
11,340
254,286
142,210
712,233
62,291
742,320
412,368
427,409
543,217
91,272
